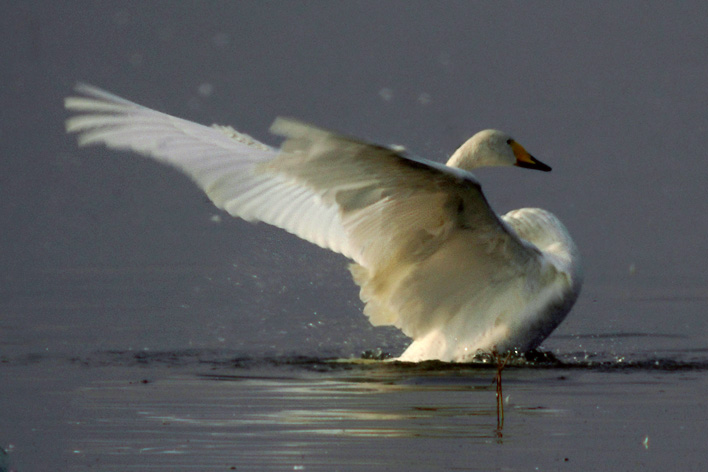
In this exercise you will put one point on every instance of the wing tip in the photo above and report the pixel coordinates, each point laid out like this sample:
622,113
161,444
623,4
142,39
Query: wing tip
89,97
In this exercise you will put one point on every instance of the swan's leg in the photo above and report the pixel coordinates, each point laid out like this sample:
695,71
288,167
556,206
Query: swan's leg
498,380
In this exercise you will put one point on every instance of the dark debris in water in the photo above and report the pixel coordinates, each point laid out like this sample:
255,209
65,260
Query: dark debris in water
375,359
376,355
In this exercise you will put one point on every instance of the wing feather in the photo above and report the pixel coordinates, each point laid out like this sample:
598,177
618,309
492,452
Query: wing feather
220,160
426,243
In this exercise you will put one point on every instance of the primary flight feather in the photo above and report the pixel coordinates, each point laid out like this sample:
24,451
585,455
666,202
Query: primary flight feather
430,255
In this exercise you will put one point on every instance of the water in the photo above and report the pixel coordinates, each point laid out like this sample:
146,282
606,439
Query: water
202,410
90,381
141,329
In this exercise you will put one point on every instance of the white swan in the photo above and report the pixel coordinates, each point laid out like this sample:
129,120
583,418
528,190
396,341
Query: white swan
430,255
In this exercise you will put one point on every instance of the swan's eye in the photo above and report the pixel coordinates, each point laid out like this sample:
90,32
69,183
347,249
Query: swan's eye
509,141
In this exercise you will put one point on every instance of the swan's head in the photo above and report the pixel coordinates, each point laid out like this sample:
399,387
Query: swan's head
493,148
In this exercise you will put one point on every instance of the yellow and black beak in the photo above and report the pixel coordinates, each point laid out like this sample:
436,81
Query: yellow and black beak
526,160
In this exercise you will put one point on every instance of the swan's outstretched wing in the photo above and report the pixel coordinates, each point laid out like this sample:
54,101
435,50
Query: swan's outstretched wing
425,242
220,160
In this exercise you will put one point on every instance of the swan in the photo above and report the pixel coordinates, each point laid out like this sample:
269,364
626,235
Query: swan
428,253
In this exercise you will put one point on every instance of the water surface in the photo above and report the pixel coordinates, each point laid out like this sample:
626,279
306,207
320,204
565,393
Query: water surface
142,329
206,410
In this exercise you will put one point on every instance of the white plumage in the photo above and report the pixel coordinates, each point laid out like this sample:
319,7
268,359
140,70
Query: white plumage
429,254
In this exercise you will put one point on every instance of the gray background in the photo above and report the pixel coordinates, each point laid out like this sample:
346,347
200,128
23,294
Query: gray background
106,250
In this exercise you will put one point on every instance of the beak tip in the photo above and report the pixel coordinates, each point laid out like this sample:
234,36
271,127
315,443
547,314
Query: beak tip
535,165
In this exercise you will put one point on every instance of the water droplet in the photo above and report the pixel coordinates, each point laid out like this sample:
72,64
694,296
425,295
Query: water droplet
386,94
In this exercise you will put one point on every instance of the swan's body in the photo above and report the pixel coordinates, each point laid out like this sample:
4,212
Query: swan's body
430,255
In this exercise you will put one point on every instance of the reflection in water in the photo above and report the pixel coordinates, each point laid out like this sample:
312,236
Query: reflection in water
277,410
395,406
270,417
215,410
